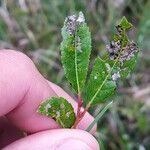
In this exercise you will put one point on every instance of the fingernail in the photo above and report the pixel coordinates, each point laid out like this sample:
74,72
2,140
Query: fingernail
73,144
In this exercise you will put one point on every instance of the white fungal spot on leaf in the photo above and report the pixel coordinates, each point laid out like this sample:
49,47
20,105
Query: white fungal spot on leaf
81,18
108,67
47,107
68,114
115,76
57,114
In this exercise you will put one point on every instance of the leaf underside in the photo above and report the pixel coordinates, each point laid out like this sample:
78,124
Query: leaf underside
75,53
60,110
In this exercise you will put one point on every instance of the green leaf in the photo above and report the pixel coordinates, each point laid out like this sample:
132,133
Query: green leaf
122,51
60,110
124,39
116,37
75,50
128,66
125,24
100,85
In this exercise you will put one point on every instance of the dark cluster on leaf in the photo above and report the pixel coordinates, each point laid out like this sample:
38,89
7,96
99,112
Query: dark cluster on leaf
113,49
71,24
121,47
128,52
72,21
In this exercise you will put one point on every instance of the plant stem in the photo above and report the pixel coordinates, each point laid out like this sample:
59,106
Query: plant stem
80,113
80,103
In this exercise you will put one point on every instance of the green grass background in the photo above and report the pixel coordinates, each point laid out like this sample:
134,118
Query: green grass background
34,26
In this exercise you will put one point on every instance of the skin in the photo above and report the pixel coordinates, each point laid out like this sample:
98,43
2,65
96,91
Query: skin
22,88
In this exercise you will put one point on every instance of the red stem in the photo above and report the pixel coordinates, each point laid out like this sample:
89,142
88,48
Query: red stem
80,103
80,113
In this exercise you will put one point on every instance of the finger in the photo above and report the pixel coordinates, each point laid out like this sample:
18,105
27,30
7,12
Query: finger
22,88
8,133
60,139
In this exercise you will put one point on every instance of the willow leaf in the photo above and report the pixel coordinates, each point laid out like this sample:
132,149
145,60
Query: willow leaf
100,85
75,50
60,110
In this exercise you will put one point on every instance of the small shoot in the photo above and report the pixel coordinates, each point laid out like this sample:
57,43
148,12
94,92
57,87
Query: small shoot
102,82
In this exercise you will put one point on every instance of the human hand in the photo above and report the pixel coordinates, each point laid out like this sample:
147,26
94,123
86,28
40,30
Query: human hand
22,88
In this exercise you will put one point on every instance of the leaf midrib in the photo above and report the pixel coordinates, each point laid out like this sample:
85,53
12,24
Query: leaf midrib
96,93
76,65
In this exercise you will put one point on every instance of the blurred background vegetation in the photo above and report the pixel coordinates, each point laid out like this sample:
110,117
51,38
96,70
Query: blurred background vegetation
34,27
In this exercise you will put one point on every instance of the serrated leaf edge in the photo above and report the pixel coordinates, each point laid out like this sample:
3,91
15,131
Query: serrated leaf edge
101,86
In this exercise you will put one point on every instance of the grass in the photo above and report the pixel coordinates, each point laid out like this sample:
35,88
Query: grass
34,28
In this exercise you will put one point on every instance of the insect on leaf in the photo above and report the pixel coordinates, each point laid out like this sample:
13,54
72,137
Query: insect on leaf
75,50
60,110
100,85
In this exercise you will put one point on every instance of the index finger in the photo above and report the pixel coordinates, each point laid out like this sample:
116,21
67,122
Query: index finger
22,88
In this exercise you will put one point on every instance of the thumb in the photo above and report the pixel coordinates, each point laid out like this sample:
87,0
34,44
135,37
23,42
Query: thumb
60,139
22,88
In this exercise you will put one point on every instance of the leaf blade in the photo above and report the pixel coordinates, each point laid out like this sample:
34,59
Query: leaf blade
75,52
100,85
125,24
123,49
59,109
